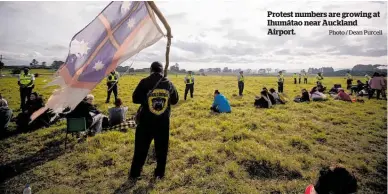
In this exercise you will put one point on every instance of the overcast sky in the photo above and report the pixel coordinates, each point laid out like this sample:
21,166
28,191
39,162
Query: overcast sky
206,34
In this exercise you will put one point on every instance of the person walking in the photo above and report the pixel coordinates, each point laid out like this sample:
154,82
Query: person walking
155,94
305,76
26,84
240,79
189,81
112,81
280,82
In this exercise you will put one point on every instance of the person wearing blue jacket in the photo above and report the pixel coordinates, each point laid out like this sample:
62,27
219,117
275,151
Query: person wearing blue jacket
220,104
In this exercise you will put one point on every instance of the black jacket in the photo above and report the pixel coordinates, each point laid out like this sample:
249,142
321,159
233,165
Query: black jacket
157,105
83,109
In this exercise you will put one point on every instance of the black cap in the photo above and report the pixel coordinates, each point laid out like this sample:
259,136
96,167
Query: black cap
156,67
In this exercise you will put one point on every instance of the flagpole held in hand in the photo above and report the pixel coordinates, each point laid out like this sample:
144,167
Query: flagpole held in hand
169,36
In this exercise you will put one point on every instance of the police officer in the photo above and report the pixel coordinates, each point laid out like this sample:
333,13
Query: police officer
280,82
300,77
189,81
305,76
319,78
112,82
155,94
349,79
240,79
26,84
294,76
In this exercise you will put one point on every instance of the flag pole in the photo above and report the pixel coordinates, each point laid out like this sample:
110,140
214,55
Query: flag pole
168,28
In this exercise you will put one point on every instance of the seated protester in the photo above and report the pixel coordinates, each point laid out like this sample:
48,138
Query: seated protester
33,104
342,96
273,101
357,88
276,96
118,113
335,180
320,87
5,115
87,110
316,95
304,98
220,104
264,101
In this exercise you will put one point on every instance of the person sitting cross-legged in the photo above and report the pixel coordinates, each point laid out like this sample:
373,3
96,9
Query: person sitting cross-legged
304,98
220,104
317,95
264,101
342,96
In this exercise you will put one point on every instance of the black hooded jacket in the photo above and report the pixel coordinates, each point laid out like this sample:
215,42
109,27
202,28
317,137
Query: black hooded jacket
157,104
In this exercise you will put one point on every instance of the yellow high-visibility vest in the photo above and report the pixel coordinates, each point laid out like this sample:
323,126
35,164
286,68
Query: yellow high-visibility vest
190,79
349,76
367,78
113,78
25,79
295,76
281,78
241,79
305,75
319,78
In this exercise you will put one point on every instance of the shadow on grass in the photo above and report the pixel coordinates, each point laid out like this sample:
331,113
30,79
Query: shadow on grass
130,184
51,151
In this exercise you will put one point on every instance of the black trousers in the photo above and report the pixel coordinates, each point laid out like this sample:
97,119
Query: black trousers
24,93
214,109
305,80
300,79
294,80
280,87
157,131
349,84
114,90
191,88
372,91
240,88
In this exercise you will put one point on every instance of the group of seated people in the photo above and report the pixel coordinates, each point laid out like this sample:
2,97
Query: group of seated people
95,120
268,98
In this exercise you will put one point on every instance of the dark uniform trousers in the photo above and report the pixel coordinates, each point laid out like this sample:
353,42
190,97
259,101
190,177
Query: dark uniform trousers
305,80
145,133
294,80
240,88
300,79
280,87
24,93
349,83
114,90
191,88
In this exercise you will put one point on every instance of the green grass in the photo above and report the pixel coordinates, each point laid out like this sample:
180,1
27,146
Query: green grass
248,151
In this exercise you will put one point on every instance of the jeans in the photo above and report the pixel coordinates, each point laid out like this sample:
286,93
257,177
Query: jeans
97,123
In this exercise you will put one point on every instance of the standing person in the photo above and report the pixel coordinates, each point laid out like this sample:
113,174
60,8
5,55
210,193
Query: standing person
280,82
376,84
220,103
367,78
112,81
155,94
305,76
26,84
300,77
240,79
294,76
319,78
349,79
189,81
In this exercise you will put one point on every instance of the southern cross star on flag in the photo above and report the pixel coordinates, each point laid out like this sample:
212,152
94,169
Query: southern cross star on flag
120,31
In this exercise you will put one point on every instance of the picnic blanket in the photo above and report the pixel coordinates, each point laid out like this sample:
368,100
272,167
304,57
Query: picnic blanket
130,123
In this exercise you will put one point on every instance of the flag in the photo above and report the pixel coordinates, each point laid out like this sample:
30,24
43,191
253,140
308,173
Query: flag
120,31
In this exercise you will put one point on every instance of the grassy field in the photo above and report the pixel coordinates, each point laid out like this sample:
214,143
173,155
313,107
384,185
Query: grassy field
278,150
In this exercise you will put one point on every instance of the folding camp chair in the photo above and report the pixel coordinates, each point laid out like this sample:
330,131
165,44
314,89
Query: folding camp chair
75,125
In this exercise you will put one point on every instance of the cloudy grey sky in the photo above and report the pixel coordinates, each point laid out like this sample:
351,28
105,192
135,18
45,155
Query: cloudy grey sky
206,34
